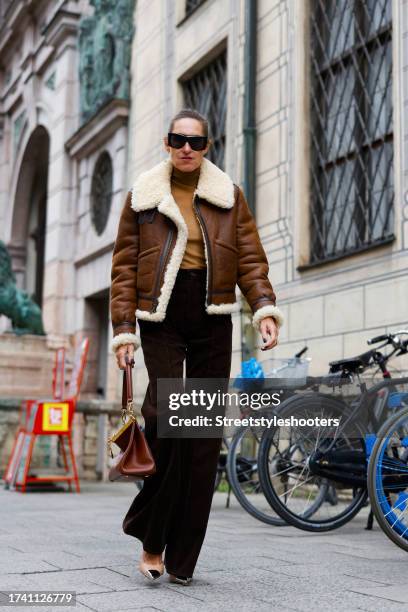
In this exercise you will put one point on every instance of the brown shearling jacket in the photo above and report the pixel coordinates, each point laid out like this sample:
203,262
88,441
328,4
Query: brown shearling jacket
150,244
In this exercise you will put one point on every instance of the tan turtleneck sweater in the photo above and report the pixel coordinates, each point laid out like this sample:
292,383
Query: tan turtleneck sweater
183,185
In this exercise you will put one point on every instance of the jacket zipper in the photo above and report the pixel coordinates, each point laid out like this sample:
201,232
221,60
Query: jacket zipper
205,236
162,262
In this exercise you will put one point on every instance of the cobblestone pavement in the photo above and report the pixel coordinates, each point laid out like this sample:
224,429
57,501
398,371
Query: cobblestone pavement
62,541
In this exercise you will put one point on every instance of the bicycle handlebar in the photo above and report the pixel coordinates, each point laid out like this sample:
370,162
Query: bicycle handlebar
379,339
391,339
301,352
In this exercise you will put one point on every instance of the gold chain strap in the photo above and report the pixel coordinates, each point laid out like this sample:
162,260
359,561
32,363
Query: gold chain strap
126,412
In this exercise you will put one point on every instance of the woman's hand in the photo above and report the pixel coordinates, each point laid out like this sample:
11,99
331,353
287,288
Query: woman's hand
120,353
269,332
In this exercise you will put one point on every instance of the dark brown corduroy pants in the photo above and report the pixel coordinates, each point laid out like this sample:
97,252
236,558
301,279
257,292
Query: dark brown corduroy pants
171,512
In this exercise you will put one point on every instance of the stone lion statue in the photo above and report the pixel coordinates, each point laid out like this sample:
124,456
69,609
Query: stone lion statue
15,304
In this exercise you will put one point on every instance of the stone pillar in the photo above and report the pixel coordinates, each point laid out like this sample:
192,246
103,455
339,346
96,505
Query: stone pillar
58,295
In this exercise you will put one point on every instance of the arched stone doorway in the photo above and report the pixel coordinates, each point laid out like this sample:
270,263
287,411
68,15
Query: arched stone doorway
27,244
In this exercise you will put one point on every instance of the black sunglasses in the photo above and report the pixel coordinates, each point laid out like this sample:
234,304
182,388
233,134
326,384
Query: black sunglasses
177,141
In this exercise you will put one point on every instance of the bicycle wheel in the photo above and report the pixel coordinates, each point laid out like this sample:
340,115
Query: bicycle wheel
388,479
242,472
313,477
221,466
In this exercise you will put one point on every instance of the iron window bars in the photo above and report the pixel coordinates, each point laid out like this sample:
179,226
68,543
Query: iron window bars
351,136
206,92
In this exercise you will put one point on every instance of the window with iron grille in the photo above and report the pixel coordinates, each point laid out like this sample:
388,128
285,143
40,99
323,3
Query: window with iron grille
351,127
191,5
206,92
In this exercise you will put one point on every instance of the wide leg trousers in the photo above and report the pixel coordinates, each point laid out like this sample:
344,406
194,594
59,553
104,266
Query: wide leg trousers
171,512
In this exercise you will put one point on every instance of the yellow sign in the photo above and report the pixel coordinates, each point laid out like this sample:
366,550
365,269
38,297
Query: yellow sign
55,417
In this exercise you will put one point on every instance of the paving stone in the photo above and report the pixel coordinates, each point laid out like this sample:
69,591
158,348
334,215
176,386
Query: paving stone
155,596
391,593
65,541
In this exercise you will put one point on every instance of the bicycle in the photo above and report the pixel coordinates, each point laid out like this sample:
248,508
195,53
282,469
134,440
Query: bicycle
388,474
296,466
242,458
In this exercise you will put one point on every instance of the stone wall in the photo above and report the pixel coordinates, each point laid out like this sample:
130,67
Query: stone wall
333,308
336,307
26,364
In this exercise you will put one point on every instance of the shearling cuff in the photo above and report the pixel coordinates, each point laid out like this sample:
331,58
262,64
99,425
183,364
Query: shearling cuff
125,338
267,311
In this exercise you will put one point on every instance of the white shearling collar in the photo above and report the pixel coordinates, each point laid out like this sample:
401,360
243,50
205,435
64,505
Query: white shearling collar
153,186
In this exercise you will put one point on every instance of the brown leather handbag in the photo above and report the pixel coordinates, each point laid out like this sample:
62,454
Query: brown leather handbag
135,460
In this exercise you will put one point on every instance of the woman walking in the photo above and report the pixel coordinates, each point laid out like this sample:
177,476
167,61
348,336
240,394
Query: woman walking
186,238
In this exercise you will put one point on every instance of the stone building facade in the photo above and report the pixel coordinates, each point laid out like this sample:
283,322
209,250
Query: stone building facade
64,83
192,52
340,270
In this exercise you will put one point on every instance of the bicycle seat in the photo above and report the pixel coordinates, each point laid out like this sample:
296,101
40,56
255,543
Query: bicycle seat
352,364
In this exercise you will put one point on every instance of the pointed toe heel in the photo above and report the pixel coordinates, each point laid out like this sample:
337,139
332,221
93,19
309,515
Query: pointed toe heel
184,580
151,572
